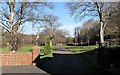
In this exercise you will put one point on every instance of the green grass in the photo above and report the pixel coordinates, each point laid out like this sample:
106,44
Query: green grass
24,49
27,49
4,50
41,50
80,48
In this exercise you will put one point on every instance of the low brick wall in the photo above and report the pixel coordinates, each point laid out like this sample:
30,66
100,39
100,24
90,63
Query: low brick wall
35,52
16,59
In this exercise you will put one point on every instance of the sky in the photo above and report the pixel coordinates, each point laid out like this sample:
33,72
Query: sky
64,17
68,22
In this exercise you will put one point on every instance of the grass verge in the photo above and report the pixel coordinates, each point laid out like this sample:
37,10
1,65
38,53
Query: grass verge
78,49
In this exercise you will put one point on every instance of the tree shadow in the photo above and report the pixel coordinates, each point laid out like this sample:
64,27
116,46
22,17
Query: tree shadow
108,56
83,63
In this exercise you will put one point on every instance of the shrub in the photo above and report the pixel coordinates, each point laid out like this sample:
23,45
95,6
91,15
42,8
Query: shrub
48,46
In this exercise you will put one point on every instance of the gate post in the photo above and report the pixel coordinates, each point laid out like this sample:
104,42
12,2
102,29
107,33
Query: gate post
35,53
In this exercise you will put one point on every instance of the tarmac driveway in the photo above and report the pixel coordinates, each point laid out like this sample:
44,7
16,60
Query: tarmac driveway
22,70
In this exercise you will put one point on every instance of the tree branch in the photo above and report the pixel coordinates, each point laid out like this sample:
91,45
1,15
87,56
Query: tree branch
5,27
20,14
5,15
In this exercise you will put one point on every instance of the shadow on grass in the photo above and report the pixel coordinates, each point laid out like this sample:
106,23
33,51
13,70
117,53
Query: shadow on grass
83,63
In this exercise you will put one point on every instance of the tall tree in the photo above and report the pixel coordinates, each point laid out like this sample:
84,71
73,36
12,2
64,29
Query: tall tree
14,14
115,21
91,29
60,35
77,34
94,8
51,25
87,31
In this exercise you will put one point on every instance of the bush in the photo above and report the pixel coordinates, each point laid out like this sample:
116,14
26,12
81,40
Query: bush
48,46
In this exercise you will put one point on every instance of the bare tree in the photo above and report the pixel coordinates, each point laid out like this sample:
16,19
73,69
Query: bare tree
61,34
90,30
14,14
102,10
51,25
77,35
115,21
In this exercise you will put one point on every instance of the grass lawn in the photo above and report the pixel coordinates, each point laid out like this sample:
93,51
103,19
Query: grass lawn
78,49
23,49
26,49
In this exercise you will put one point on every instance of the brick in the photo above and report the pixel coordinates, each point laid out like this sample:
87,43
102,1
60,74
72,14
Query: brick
18,58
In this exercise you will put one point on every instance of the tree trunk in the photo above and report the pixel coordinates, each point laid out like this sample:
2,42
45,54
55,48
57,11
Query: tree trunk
13,29
13,41
102,33
88,42
81,42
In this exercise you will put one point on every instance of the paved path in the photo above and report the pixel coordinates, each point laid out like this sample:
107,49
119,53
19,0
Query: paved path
61,50
80,64
15,70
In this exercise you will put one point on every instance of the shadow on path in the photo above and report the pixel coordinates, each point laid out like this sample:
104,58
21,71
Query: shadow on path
83,63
